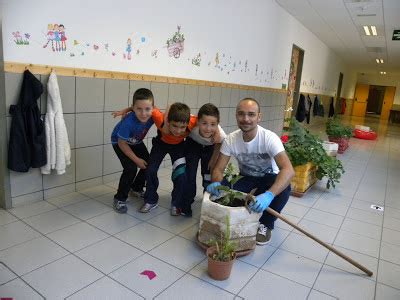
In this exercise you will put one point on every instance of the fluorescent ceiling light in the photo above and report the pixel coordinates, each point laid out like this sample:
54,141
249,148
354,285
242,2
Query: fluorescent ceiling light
381,61
366,29
377,61
373,29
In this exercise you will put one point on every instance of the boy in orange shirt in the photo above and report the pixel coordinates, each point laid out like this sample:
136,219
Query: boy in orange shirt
169,140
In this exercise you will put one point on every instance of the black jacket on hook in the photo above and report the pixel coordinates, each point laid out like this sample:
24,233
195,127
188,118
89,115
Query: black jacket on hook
331,109
301,109
27,147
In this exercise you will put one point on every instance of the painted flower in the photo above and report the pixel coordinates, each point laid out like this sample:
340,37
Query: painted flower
284,139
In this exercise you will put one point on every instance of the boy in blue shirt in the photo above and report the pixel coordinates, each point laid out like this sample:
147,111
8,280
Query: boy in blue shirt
127,141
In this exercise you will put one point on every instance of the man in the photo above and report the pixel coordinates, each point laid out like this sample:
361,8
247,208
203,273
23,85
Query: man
262,161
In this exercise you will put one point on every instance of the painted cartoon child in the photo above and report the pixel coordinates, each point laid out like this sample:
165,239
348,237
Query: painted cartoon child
129,48
57,37
50,36
63,38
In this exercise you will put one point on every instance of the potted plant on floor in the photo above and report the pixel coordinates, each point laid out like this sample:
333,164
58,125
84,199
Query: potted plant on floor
243,225
221,255
338,133
309,159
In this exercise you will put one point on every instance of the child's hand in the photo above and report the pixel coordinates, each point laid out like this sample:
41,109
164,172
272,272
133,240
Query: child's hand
141,163
216,137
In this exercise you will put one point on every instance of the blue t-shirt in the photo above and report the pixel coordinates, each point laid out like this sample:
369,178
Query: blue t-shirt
131,130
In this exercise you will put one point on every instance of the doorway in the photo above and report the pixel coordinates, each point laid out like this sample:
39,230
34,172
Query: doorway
296,67
375,100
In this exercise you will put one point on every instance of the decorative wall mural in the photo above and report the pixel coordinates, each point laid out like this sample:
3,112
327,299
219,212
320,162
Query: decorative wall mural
175,44
21,40
56,37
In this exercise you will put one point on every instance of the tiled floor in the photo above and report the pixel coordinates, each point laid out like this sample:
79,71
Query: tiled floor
76,247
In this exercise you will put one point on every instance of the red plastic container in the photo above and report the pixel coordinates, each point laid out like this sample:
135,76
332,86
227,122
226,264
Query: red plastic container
365,135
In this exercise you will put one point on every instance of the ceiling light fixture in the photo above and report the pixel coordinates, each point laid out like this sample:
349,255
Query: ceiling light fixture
366,29
373,29
383,73
377,60
381,61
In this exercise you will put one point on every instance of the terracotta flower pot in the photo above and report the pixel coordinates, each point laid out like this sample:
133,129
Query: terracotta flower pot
343,142
219,270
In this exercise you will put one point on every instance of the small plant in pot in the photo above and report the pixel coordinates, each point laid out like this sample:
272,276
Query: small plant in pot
221,255
338,133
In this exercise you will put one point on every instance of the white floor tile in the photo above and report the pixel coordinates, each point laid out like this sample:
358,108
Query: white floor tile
77,236
190,233
321,231
62,277
305,246
129,275
322,217
144,236
391,236
389,274
344,285
368,262
67,199
51,221
390,253
96,191
17,289
384,292
6,217
372,217
174,224
316,295
33,209
87,209
267,285
179,252
294,267
31,255
113,222
15,233
5,274
104,289
362,228
357,243
109,254
198,290
258,256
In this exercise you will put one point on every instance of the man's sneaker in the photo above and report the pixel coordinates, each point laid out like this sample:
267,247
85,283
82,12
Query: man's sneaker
186,213
120,206
138,194
147,207
263,235
175,211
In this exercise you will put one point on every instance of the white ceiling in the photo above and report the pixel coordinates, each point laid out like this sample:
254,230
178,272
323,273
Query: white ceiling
338,23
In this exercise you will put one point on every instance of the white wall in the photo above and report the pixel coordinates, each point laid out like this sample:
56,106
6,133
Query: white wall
257,31
385,80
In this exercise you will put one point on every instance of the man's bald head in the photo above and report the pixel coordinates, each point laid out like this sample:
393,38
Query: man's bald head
248,100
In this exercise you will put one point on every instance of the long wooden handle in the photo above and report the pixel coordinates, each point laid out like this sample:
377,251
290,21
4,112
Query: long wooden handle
345,257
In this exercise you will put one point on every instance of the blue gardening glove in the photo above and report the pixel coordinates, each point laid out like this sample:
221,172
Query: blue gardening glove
212,188
262,202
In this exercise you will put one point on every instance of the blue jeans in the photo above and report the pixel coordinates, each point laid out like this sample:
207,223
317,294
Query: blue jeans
195,153
157,154
247,183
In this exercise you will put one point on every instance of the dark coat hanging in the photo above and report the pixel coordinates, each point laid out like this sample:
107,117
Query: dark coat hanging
331,109
301,109
27,147
308,109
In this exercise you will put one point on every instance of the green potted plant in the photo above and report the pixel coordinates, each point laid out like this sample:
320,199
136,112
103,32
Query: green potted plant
338,133
221,255
243,225
306,153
